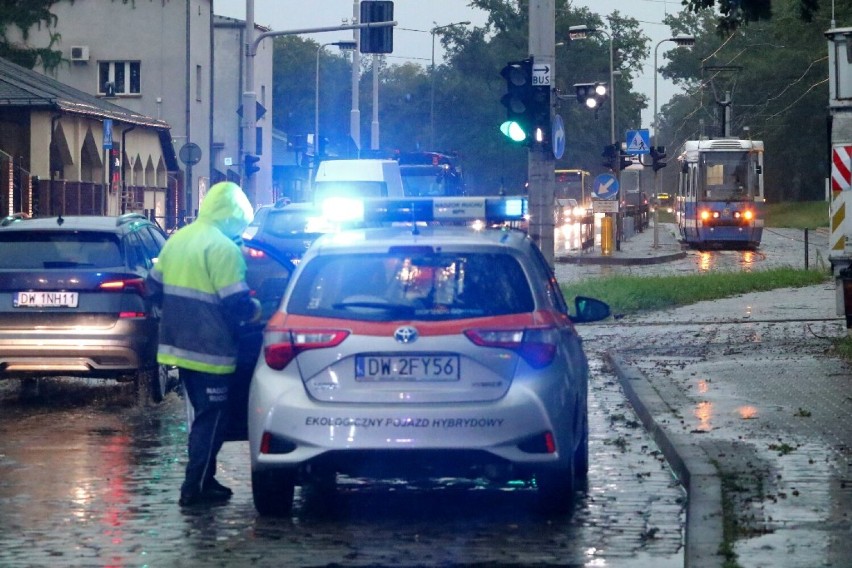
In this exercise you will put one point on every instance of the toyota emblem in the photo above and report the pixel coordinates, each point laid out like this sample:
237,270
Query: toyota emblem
405,334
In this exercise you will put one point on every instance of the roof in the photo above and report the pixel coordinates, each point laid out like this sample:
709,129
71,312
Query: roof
22,87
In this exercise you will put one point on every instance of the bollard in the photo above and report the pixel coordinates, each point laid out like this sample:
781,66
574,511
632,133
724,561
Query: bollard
606,235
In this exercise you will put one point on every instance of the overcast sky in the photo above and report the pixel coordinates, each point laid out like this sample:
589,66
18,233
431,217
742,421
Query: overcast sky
413,42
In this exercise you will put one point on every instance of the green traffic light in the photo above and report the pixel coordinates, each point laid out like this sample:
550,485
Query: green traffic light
513,130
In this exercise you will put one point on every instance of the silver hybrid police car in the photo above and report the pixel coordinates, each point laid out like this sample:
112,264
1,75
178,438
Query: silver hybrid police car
421,351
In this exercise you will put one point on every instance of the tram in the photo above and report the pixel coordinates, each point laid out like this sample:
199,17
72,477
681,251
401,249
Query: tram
720,201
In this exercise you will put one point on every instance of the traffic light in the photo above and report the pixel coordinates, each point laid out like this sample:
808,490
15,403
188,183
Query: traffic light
251,166
519,101
613,152
592,95
541,114
609,153
658,154
624,160
376,40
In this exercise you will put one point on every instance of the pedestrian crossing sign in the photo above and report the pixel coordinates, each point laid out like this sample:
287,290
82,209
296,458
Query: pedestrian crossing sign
638,142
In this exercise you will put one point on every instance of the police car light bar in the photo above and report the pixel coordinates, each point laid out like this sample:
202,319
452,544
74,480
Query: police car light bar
447,209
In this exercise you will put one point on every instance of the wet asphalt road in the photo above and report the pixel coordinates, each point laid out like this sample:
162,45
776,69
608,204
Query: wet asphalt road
88,480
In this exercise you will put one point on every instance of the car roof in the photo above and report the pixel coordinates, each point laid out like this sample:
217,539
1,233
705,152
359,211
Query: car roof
75,222
446,237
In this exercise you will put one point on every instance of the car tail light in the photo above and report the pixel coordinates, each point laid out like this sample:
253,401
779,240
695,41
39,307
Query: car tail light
280,346
537,346
130,284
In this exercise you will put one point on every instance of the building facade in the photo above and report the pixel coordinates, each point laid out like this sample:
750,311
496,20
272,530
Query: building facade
157,59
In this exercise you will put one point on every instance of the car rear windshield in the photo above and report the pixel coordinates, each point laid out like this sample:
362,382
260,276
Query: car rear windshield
286,223
56,249
408,283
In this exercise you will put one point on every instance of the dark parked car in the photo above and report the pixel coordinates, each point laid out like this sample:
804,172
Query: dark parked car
289,227
72,300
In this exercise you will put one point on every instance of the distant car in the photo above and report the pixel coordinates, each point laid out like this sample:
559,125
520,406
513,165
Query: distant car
421,351
289,227
72,300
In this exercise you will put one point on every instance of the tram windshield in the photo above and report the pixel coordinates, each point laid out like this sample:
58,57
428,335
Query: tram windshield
728,176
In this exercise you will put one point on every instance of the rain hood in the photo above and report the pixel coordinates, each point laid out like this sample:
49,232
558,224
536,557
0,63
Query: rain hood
228,208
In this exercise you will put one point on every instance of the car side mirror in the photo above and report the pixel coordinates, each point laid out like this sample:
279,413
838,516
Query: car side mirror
589,310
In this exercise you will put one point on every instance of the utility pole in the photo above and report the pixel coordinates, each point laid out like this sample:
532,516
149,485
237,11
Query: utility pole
540,163
355,114
249,118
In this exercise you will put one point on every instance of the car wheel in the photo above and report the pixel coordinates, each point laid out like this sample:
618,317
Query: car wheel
160,384
555,490
145,379
273,491
581,457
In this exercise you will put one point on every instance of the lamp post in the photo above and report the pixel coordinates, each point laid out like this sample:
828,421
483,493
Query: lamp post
343,45
434,31
581,32
681,41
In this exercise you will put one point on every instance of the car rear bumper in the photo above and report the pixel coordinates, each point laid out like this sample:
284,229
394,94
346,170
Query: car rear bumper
509,431
75,355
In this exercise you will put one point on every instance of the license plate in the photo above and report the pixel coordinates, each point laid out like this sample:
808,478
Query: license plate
46,299
407,368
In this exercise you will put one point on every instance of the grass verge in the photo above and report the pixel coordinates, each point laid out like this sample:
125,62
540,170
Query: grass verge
631,294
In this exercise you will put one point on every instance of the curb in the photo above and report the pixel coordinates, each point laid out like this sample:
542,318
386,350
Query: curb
691,464
620,261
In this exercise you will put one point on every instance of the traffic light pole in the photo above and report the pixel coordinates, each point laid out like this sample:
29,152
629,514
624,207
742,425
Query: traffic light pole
249,122
540,163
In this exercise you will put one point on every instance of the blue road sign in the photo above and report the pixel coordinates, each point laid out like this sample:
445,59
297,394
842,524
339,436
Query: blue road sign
605,186
638,142
558,137
107,133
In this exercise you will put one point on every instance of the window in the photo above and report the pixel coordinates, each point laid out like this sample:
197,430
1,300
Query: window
119,78
405,283
198,83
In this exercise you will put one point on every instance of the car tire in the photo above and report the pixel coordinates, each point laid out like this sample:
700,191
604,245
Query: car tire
556,489
581,457
143,385
160,384
152,384
273,492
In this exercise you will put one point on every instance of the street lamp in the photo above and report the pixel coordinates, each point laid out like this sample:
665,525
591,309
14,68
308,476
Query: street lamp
343,45
681,41
433,31
582,32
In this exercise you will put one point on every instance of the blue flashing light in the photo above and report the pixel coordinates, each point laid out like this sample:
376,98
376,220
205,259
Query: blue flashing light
343,209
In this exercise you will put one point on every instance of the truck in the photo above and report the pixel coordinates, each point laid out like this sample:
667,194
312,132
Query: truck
430,174
357,179
840,166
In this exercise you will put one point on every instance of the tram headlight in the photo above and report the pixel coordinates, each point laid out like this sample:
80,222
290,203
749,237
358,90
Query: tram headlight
705,215
748,215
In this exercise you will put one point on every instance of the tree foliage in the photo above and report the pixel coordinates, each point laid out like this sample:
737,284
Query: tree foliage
775,74
735,13
24,14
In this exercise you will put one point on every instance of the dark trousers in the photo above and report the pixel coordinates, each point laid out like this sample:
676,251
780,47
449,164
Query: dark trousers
208,397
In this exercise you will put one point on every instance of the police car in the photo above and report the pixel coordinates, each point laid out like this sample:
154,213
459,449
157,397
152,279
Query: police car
422,351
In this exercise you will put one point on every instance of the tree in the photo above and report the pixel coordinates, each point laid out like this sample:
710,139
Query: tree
24,14
735,13
779,94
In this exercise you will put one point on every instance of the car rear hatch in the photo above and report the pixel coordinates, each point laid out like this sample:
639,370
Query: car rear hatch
472,360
